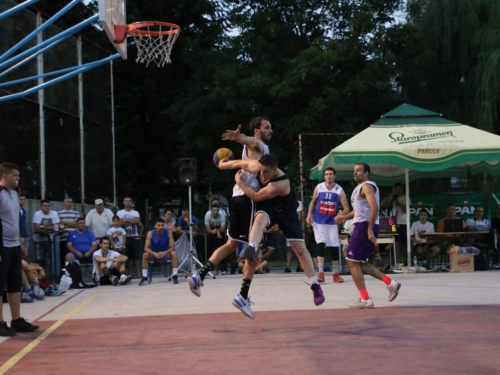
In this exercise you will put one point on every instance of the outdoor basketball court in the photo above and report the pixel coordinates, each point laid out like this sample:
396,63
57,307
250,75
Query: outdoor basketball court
443,323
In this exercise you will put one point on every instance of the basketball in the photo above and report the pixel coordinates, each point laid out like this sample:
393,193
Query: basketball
222,153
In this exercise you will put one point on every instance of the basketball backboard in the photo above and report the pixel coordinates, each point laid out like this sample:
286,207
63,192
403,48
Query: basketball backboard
111,13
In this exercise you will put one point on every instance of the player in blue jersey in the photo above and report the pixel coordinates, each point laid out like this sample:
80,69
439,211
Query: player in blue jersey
323,209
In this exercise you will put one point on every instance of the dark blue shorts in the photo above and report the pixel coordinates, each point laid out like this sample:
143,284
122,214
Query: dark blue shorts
360,247
286,217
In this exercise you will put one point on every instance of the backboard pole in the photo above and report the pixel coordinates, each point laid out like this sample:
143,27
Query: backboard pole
17,8
41,113
39,29
80,115
115,202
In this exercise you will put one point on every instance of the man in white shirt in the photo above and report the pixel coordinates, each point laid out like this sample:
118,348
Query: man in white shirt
109,265
99,219
129,220
44,220
397,200
422,249
478,223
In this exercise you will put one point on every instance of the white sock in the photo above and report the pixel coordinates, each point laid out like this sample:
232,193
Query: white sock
335,268
144,273
320,266
254,246
174,271
314,280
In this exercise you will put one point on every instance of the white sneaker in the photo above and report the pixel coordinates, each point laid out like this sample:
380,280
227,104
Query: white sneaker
362,304
195,284
243,305
122,279
393,289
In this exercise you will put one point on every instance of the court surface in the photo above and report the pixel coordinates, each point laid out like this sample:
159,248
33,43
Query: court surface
446,323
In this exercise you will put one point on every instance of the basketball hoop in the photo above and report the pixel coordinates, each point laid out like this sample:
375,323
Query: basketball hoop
154,40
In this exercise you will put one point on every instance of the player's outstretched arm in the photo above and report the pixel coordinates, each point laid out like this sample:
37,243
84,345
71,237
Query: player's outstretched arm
251,166
237,136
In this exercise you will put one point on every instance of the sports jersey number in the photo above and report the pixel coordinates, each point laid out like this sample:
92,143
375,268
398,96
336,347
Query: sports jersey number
328,196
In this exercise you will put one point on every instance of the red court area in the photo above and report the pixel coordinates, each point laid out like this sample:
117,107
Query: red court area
410,340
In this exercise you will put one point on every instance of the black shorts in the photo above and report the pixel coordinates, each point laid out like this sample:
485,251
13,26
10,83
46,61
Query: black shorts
104,280
286,217
133,248
240,224
11,269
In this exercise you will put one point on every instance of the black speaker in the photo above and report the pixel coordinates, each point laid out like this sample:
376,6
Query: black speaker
187,171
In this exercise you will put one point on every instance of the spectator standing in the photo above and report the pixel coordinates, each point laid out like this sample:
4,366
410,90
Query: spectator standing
44,220
99,219
81,242
129,220
397,200
170,222
216,202
215,225
11,252
67,222
118,236
183,222
289,251
495,226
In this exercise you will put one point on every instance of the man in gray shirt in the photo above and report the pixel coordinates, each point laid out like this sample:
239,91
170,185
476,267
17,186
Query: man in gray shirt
11,251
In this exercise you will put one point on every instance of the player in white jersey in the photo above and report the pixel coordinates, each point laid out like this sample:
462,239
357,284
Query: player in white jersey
365,202
324,206
241,208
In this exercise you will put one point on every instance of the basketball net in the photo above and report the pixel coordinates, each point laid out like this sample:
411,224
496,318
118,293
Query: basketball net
154,42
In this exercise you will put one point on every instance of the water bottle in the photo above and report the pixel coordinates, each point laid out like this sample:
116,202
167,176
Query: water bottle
415,263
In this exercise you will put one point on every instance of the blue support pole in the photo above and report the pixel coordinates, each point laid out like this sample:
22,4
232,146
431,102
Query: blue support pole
35,32
17,8
57,38
59,79
91,65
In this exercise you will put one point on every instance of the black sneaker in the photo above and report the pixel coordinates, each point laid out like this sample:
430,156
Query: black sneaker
174,279
21,325
299,269
287,270
5,331
144,281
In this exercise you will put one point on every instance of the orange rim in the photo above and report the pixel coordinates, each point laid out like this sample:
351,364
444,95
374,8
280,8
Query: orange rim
134,29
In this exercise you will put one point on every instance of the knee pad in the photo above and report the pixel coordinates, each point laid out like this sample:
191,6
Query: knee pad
335,252
321,250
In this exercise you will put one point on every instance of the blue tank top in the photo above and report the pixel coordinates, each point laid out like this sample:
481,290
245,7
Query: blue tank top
327,206
159,243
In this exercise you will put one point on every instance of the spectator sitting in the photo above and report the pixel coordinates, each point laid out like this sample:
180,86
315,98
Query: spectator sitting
81,242
109,265
44,220
34,278
478,223
421,248
495,226
451,213
118,236
99,219
160,244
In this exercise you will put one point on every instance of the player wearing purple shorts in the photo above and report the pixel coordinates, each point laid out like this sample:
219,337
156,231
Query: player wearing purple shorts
365,202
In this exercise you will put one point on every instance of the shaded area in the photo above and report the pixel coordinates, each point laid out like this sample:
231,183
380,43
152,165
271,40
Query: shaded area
446,340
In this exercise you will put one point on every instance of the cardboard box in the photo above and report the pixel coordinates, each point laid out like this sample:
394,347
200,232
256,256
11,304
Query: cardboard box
461,263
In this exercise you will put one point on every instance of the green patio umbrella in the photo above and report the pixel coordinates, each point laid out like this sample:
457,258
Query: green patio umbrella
408,143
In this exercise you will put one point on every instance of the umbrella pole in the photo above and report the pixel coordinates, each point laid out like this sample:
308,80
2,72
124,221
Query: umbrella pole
408,223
